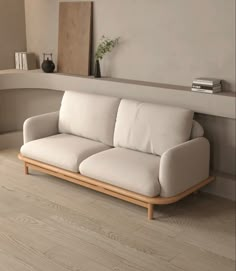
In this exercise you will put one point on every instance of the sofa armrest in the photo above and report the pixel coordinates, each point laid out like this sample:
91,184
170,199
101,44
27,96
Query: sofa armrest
40,126
184,166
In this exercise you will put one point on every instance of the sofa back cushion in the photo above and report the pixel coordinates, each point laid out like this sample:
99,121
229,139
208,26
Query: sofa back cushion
151,128
197,130
88,115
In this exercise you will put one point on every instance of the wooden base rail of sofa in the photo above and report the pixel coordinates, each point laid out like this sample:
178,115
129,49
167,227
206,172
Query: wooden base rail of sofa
108,189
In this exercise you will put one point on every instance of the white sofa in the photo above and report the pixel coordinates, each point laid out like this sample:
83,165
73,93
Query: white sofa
144,153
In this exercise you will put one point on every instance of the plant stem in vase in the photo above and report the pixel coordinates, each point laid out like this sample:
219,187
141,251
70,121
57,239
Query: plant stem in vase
105,46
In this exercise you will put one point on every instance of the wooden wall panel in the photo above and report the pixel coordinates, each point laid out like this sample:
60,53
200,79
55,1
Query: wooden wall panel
74,45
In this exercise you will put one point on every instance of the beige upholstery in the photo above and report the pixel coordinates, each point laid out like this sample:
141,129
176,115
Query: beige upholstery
88,115
197,130
131,170
63,151
152,156
40,126
151,128
184,166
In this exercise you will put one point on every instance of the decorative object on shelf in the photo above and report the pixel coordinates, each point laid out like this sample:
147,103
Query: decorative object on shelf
105,46
25,61
74,37
48,66
207,85
97,69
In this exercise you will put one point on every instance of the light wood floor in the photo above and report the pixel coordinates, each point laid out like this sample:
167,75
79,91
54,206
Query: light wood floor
47,224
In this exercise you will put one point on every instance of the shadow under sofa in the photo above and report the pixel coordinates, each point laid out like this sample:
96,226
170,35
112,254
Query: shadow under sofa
143,153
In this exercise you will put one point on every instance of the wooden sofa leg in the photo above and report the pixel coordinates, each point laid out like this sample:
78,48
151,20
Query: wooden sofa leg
150,211
26,169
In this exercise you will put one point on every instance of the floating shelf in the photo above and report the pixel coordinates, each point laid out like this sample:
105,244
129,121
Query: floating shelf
220,104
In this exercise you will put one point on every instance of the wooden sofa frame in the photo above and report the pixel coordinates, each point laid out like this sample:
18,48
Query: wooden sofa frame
108,189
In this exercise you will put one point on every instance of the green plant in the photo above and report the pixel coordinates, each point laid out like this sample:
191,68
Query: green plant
106,45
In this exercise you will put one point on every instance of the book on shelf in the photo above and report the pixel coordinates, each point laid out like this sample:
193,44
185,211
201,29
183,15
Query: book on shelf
202,90
20,60
206,85
207,81
25,61
17,62
215,87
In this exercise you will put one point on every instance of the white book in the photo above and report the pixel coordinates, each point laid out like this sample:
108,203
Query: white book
24,61
20,61
199,86
210,91
17,63
207,81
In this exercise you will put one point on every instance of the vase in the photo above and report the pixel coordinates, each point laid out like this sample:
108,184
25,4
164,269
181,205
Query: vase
97,70
48,66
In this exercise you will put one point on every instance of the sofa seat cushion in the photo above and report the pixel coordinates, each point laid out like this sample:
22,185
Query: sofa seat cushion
128,169
62,150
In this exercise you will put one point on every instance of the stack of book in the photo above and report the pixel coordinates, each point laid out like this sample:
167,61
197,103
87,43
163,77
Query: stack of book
206,85
25,61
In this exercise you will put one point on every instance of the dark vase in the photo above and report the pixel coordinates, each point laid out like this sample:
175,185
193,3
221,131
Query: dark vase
97,70
48,66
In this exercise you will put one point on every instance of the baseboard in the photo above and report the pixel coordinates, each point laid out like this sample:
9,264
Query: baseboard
11,140
223,186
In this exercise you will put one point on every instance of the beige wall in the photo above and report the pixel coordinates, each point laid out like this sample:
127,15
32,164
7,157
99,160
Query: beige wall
221,134
18,105
41,30
162,41
12,31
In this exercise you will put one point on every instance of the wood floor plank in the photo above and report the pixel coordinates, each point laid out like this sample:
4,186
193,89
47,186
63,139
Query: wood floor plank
24,235
47,224
73,260
26,254
197,259
11,263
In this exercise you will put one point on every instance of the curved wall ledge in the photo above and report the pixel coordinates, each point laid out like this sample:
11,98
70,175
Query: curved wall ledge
221,104
30,92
